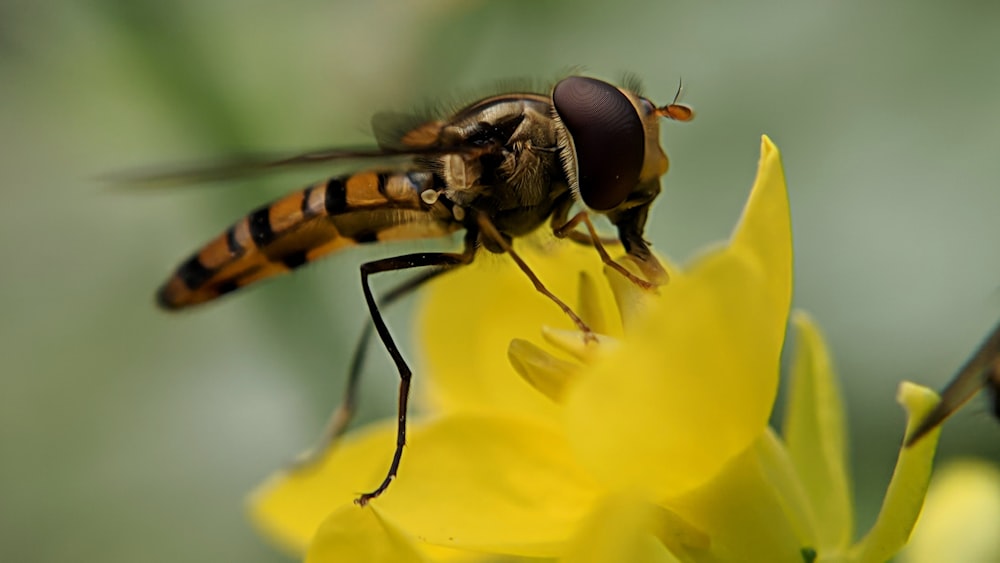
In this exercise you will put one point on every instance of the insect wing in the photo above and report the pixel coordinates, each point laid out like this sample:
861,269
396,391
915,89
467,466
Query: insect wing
416,144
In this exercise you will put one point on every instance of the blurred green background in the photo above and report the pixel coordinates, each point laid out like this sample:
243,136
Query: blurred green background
130,435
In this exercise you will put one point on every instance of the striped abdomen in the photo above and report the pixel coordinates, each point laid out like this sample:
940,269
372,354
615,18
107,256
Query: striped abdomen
304,226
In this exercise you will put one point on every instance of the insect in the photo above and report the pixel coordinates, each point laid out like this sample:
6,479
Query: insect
981,371
498,169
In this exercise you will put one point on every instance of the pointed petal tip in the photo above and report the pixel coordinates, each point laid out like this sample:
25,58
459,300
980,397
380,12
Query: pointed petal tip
916,399
770,156
801,318
767,146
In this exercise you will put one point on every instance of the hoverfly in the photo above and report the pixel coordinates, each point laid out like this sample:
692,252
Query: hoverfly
981,371
498,169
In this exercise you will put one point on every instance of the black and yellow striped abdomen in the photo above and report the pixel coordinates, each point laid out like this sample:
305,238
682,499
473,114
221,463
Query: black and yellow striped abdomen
306,225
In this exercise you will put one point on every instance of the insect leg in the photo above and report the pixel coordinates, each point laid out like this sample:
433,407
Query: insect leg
567,229
490,230
341,417
585,239
407,261
980,371
559,219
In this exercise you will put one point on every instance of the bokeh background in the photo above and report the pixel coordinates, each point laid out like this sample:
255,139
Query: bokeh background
127,434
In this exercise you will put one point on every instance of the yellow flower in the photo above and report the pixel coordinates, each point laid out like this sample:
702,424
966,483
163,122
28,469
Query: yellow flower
652,445
961,518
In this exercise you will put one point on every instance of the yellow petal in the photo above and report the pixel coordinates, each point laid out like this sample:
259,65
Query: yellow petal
468,318
780,474
623,527
764,235
815,435
467,481
905,496
575,344
747,517
365,534
290,507
632,301
491,483
693,385
961,517
589,303
545,372
361,534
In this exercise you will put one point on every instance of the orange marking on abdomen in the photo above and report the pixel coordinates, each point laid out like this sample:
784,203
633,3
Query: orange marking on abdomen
216,253
286,213
362,191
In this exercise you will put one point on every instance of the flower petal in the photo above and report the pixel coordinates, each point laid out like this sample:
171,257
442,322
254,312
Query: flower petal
497,484
961,516
491,483
468,317
633,302
745,511
693,386
623,527
576,345
291,506
764,235
545,372
589,304
905,496
353,534
780,474
814,432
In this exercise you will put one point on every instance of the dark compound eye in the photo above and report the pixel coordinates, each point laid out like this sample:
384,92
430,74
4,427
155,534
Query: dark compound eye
608,139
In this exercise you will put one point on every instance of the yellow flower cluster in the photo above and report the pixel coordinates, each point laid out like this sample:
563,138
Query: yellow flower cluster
651,445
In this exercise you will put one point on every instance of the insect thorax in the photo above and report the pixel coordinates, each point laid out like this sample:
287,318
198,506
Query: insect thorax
516,176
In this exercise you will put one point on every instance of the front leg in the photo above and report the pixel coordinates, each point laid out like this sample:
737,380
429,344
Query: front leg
489,230
631,223
561,216
569,228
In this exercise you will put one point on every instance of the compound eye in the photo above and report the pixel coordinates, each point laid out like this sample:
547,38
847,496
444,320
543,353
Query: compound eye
608,139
